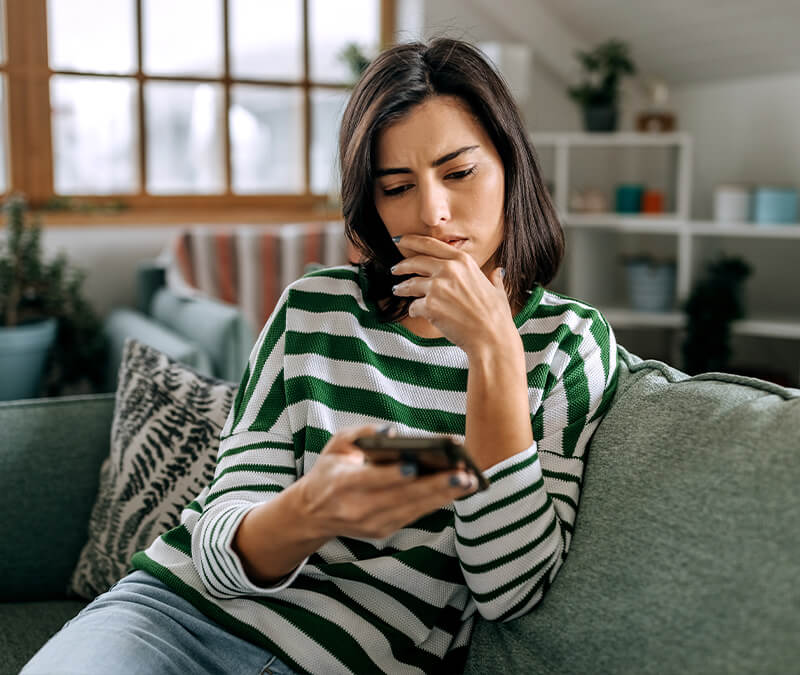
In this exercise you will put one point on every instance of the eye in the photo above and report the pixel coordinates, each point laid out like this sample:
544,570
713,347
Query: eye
462,174
456,175
396,191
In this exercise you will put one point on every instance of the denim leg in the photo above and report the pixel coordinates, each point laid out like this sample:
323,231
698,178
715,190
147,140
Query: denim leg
141,627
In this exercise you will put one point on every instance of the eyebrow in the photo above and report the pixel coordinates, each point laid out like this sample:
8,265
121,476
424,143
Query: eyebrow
434,164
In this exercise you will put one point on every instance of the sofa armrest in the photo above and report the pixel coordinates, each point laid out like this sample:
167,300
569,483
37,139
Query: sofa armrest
50,456
219,328
127,323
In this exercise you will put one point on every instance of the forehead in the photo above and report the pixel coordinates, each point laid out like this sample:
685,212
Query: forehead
430,130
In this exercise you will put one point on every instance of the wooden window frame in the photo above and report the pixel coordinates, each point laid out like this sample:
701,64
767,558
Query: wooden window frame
30,165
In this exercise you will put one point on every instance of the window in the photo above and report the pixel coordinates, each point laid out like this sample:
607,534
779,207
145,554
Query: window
180,102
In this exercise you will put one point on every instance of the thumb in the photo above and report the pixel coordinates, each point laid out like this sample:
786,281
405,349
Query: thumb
498,275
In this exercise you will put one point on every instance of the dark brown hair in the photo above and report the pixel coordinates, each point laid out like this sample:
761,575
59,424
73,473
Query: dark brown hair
403,77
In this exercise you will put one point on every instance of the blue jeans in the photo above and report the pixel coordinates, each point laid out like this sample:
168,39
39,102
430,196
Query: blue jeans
141,627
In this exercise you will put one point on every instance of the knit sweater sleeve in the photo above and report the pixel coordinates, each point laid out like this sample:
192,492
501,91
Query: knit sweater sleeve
513,538
254,463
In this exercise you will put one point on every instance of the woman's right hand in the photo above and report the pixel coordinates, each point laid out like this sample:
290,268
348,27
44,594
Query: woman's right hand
343,495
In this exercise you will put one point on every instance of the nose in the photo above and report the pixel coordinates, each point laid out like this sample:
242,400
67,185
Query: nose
434,207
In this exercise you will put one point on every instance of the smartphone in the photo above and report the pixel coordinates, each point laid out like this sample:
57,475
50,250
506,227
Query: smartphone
439,453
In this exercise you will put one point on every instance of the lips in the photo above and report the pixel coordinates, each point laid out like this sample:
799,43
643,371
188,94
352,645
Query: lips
453,241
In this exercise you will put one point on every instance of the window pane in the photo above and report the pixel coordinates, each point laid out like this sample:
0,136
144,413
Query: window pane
184,138
327,107
267,139
182,37
3,137
266,39
92,35
95,135
332,26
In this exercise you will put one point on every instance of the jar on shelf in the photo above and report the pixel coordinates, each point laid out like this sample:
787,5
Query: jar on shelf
774,205
656,117
732,203
629,198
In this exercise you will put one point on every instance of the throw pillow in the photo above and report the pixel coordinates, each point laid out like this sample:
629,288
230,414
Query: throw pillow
164,441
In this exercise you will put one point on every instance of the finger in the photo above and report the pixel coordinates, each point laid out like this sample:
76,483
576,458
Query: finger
416,287
342,441
409,501
419,308
420,243
372,477
419,264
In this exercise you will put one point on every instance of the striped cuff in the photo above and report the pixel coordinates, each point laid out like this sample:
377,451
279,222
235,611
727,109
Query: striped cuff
221,567
506,477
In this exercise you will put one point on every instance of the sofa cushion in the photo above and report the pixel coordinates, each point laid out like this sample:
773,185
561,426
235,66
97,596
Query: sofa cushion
50,453
26,626
686,555
164,442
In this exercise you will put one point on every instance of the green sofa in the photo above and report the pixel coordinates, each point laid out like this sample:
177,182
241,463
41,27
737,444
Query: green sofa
685,559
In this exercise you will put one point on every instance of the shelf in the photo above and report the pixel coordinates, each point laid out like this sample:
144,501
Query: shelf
657,224
672,224
713,229
621,317
611,139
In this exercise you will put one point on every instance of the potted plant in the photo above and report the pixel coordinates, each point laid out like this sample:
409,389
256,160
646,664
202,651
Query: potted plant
50,337
598,93
714,303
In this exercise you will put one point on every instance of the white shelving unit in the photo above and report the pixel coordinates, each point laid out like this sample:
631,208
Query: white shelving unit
593,271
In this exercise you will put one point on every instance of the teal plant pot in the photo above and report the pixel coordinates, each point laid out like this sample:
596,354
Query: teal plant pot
23,354
651,286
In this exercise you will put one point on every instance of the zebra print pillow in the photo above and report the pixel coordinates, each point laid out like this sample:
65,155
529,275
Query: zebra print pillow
164,442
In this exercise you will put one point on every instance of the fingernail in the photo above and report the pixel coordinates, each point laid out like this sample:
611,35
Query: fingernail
503,272
385,429
393,268
394,288
459,480
408,469
396,239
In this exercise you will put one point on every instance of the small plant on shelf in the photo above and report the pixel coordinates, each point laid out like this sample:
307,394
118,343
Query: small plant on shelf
598,93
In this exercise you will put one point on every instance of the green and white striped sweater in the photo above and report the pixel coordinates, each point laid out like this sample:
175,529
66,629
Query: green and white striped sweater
407,603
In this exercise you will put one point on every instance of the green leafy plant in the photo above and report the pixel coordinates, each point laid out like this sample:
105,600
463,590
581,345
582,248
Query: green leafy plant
714,303
32,289
603,66
356,60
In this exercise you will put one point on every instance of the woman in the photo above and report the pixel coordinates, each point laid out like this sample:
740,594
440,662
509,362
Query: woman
300,554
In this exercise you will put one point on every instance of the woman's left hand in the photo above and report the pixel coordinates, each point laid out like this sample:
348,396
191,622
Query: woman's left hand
469,308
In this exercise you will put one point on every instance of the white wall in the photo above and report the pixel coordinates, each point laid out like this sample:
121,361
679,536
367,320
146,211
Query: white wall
744,130
520,21
110,256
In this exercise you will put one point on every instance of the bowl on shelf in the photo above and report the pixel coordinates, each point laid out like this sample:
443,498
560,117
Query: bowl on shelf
651,284
774,205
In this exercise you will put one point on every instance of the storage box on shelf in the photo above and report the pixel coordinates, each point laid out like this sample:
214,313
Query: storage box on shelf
598,242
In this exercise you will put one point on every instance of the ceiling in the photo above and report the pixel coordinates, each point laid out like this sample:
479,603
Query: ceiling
685,41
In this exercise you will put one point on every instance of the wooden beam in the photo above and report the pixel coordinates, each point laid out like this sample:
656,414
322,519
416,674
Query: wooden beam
30,141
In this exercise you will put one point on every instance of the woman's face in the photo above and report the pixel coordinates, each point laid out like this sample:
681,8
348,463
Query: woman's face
439,174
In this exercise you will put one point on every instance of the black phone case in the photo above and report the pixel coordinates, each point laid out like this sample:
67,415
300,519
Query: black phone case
430,455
